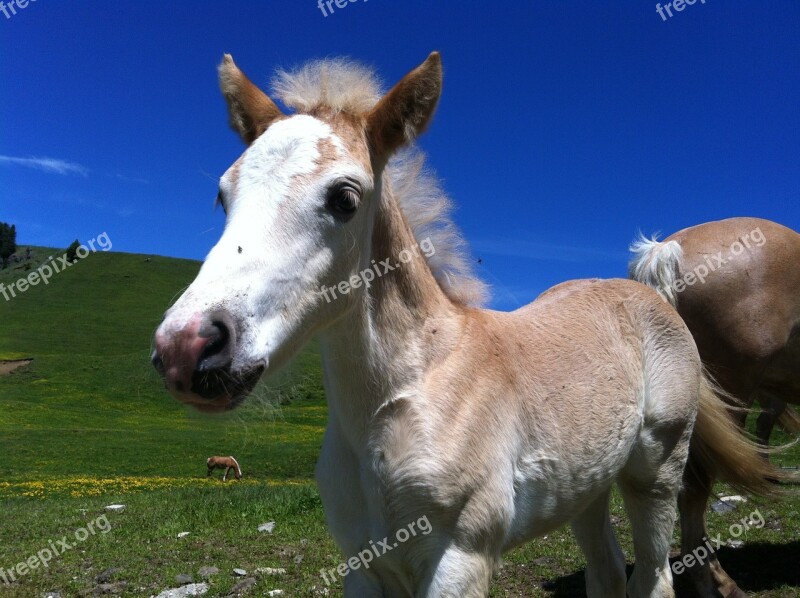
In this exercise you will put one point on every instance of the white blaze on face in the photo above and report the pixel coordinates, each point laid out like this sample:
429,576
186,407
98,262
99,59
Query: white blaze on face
278,244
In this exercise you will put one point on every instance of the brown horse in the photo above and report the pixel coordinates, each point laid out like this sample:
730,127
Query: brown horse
736,283
226,463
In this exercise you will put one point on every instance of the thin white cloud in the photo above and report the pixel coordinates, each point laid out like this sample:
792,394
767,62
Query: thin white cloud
53,165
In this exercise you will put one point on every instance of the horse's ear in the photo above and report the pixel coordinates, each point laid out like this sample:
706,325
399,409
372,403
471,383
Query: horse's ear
249,108
406,110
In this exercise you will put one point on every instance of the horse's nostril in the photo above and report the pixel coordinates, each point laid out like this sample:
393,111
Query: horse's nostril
218,351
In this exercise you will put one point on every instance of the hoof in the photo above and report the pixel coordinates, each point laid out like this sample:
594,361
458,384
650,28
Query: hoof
736,593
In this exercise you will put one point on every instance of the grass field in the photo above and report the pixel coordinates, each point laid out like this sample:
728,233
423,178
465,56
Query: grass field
88,424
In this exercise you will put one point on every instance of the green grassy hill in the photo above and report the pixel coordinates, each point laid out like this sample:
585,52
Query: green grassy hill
91,398
88,423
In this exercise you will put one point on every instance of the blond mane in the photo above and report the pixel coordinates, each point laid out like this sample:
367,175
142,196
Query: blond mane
336,83
341,85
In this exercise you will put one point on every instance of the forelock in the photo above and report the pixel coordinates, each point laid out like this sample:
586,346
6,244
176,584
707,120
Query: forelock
337,84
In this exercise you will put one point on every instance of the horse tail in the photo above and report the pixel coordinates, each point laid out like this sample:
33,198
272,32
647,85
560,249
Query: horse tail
789,420
720,446
238,469
656,265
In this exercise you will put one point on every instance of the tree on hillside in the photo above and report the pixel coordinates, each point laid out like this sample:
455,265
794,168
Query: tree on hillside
72,251
8,241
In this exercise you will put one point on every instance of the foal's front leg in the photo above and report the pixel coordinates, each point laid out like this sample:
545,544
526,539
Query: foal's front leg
460,574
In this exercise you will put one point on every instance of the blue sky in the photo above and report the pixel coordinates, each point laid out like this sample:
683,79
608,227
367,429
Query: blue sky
564,127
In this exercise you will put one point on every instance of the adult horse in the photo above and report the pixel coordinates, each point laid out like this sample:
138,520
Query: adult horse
736,283
440,412
227,463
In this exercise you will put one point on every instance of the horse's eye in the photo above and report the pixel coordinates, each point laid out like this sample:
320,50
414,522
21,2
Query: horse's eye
342,202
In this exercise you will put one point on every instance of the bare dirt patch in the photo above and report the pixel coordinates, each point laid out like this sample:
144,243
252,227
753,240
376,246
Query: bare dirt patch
9,365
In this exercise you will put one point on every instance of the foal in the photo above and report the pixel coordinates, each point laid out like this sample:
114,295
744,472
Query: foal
736,283
226,463
492,427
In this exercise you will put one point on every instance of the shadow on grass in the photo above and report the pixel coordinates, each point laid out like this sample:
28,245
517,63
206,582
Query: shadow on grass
756,567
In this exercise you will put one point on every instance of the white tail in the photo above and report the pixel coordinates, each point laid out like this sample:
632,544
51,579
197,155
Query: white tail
656,265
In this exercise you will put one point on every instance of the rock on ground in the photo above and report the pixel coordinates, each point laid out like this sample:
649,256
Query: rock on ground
267,527
195,589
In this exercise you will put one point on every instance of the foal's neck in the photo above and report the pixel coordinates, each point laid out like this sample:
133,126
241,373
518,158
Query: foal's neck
401,325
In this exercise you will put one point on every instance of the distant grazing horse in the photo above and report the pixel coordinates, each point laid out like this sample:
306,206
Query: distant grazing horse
226,463
736,283
491,427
